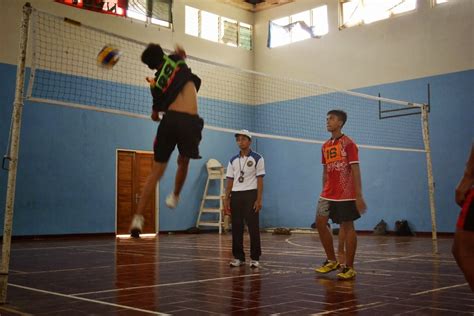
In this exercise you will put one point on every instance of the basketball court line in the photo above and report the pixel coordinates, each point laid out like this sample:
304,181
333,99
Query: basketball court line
350,308
360,247
438,289
172,284
110,266
85,299
389,259
411,272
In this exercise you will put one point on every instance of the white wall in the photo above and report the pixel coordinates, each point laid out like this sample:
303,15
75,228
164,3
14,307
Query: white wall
425,42
10,17
428,41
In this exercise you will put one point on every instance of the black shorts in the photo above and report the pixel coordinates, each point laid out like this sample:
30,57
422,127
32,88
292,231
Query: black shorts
177,128
343,211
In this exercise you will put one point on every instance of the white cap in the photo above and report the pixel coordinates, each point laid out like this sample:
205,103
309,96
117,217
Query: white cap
244,132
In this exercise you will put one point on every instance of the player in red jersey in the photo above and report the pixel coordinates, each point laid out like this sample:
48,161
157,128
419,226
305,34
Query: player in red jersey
341,199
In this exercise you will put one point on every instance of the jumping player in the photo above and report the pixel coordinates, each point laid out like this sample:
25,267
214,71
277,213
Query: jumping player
174,90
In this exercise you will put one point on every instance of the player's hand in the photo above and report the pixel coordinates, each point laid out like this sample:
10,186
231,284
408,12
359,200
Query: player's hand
179,50
155,116
226,205
461,194
257,206
151,81
360,204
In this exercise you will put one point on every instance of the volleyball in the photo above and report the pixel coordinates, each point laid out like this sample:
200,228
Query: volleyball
108,56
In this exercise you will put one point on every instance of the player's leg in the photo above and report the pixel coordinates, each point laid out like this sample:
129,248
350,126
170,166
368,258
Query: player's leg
189,134
325,236
348,213
350,241
341,253
253,222
163,146
181,173
157,172
236,205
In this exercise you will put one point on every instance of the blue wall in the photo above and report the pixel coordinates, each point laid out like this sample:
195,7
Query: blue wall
66,175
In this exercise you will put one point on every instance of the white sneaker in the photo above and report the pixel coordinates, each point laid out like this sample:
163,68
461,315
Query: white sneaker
137,225
172,200
254,264
236,263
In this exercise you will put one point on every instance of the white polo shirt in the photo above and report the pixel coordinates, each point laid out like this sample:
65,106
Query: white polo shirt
249,167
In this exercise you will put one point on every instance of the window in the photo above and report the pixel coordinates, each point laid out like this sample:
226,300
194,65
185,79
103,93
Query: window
209,26
149,11
217,28
320,20
245,36
192,21
356,12
228,32
136,11
436,2
298,27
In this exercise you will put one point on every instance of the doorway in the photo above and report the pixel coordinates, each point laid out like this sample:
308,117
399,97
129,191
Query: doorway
133,168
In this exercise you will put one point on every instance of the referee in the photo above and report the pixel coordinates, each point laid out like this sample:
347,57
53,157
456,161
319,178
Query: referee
243,197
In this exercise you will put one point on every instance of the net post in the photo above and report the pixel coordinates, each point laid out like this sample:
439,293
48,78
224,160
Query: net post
15,143
431,185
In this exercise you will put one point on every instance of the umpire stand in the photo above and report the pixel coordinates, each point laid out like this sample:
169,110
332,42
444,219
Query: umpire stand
215,172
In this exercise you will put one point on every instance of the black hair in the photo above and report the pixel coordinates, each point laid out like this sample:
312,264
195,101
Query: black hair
341,115
152,56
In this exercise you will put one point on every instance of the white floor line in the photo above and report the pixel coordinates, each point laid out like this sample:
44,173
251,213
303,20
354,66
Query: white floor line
86,299
170,284
298,245
389,259
62,270
438,289
347,308
108,267
412,272
373,273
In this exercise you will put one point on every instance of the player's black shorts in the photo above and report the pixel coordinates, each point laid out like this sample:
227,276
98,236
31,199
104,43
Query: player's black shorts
466,217
338,211
177,128
343,211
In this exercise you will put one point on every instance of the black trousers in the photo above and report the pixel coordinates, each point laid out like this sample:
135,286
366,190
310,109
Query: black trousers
241,205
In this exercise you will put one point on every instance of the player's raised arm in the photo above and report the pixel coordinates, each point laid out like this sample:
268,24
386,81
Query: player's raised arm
179,50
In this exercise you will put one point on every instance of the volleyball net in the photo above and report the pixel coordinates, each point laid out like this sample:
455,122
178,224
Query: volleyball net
65,72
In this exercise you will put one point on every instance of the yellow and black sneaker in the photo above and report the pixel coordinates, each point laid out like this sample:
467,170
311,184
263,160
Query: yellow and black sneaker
347,273
328,266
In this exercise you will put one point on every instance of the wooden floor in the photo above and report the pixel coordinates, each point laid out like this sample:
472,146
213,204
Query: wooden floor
189,275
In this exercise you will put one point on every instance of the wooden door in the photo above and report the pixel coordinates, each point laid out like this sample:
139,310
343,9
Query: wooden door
133,169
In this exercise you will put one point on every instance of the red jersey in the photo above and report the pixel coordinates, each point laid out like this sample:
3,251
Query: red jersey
338,155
